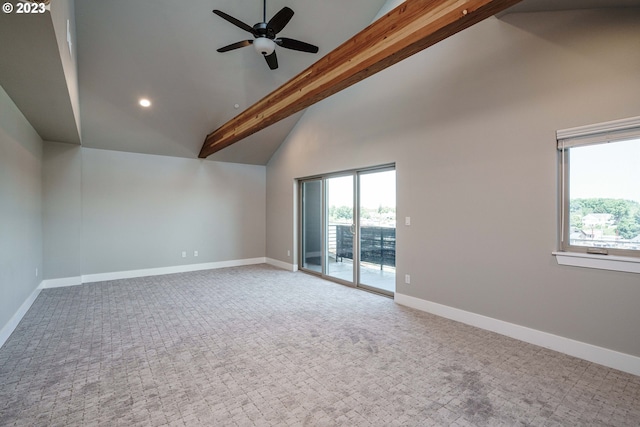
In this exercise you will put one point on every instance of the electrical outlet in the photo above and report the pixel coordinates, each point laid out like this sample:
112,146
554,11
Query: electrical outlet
184,254
407,279
195,253
289,253
407,220
36,271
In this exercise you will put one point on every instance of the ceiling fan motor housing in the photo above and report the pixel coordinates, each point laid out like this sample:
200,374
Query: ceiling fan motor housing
261,29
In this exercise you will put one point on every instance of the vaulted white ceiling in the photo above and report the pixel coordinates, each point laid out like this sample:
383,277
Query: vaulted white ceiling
165,50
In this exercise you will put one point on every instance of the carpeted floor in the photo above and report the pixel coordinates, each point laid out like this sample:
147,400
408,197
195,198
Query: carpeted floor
258,346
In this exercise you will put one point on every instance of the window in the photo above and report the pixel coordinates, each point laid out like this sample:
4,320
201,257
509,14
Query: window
600,188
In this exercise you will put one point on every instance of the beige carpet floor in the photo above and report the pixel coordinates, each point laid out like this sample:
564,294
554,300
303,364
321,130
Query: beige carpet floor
258,346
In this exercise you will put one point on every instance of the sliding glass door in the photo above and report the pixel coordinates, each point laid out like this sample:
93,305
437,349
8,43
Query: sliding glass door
377,225
340,228
347,228
311,230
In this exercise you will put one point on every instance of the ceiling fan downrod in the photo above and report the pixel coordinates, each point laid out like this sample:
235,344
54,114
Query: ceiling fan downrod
264,11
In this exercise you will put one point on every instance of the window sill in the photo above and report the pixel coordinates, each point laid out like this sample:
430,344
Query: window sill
601,262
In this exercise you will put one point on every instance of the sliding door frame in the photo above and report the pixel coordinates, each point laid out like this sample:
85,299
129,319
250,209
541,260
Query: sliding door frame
355,173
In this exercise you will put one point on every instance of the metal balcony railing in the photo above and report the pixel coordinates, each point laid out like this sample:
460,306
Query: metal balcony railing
377,244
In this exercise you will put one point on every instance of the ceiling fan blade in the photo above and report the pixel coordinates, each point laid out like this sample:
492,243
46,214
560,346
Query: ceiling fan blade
296,45
280,20
272,60
236,45
233,20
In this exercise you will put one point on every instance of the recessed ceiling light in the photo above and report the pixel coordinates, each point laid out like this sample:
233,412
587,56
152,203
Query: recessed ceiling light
145,102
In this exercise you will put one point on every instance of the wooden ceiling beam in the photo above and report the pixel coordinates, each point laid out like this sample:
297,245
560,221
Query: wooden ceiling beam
406,30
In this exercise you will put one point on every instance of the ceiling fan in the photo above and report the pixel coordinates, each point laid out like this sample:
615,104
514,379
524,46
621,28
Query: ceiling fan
264,34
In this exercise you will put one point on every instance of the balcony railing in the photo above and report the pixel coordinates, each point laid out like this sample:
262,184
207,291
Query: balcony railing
606,243
377,244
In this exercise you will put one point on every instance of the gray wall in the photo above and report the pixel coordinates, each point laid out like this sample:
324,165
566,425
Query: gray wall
471,126
62,207
20,209
109,211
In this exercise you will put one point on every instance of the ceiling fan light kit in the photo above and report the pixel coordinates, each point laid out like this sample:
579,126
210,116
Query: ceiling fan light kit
265,33
264,45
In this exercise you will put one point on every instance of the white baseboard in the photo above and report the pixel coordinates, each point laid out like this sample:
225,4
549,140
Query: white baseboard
603,356
101,277
11,325
283,265
61,283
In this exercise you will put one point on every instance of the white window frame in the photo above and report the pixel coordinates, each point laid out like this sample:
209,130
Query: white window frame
580,256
